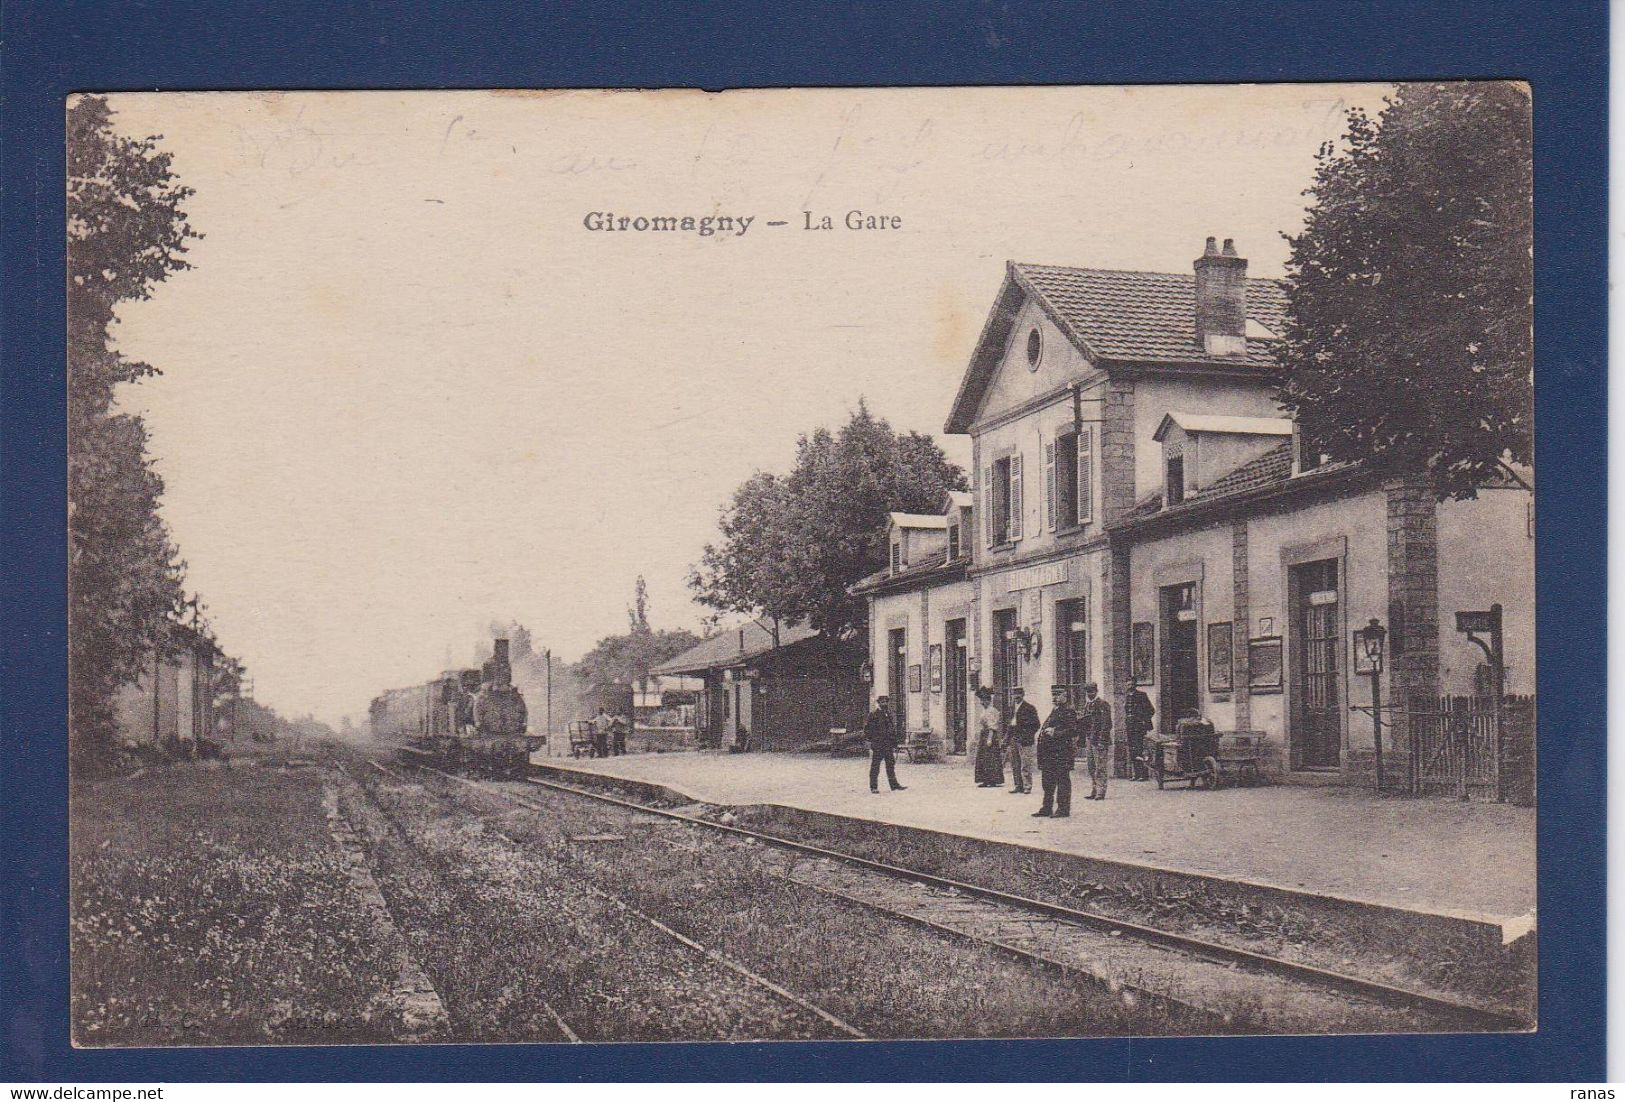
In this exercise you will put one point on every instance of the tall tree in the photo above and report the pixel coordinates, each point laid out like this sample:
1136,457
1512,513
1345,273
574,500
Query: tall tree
627,659
1408,341
127,232
791,547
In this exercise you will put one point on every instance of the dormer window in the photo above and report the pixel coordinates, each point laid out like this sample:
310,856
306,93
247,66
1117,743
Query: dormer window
896,555
1174,492
1304,456
953,540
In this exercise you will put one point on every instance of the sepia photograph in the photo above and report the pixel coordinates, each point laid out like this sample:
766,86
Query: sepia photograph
803,564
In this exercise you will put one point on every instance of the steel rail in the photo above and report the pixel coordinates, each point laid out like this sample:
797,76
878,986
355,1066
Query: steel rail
570,1035
711,954
1464,1013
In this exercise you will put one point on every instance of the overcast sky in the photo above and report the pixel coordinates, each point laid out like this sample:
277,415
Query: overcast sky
406,392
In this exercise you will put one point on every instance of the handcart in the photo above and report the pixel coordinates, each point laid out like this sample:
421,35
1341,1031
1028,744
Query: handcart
1199,754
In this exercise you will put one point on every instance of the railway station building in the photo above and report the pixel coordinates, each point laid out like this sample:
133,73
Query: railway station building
172,702
771,690
1143,512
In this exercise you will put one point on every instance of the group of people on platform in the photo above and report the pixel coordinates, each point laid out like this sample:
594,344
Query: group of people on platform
1017,738
609,733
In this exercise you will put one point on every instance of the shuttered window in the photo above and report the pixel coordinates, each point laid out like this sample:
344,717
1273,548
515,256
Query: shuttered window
1084,477
992,492
1017,500
1049,485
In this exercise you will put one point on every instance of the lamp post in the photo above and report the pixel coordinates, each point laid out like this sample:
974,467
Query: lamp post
1368,643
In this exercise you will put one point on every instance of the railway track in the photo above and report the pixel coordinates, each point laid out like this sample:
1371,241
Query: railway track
688,944
1037,930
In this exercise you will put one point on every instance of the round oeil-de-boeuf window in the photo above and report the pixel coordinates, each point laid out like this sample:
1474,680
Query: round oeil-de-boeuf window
1035,349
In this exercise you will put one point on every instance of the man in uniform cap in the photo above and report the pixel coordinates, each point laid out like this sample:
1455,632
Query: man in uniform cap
1055,757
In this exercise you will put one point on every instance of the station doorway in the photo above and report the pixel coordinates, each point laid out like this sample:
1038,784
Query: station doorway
1179,672
956,686
1316,724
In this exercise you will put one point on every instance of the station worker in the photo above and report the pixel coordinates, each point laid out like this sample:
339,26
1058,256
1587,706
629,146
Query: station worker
1056,740
1021,729
882,735
1095,721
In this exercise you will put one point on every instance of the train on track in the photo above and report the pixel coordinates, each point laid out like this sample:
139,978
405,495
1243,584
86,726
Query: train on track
471,720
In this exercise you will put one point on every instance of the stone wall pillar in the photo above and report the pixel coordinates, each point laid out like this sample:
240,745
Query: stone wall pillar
1413,606
1117,451
1116,499
1241,625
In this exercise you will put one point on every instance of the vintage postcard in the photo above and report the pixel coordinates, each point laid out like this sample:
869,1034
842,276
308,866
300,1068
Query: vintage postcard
604,566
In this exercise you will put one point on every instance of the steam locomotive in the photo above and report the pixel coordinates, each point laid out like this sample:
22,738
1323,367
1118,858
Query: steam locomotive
470,720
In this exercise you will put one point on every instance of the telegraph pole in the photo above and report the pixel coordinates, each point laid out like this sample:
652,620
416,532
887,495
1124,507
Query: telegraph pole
548,656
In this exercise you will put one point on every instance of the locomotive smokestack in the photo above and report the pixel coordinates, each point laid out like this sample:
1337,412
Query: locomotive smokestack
498,670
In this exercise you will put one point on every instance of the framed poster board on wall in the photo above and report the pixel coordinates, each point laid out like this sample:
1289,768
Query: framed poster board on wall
1144,653
1264,665
1221,666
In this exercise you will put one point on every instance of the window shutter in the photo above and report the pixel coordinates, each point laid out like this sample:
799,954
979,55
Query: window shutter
1084,493
1050,509
1017,499
987,504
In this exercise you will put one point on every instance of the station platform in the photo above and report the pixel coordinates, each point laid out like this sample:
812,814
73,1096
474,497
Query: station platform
1439,857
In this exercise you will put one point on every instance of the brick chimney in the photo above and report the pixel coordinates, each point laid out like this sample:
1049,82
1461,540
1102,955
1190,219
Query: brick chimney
1221,300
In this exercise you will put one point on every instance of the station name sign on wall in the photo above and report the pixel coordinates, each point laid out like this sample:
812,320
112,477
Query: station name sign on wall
1034,577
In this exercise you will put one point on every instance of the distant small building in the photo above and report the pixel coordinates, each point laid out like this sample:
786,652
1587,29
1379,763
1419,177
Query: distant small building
172,701
762,693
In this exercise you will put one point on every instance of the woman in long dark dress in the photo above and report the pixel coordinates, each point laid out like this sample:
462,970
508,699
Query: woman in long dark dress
989,750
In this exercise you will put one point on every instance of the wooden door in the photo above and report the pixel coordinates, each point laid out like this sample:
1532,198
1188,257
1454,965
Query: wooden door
955,685
1006,659
897,680
1179,667
1317,691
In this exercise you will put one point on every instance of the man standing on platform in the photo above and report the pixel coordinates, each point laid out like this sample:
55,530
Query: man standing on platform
1095,722
1021,727
619,725
600,733
882,736
1137,713
1055,757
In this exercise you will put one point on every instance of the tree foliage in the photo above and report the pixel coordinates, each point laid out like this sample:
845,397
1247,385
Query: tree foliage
626,659
1408,342
791,546
126,233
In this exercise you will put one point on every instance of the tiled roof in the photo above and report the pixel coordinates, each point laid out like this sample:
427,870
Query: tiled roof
1146,316
1274,465
732,646
1273,468
910,575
